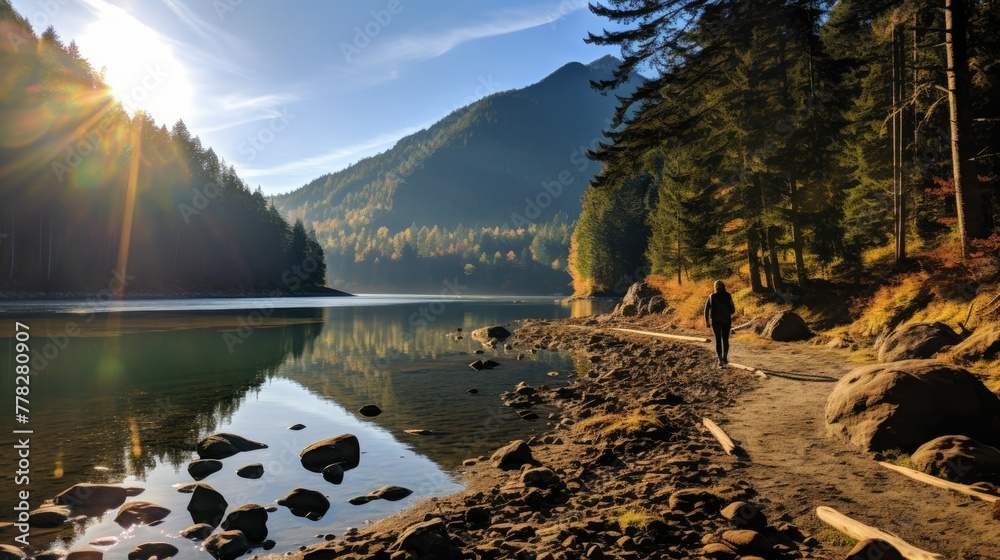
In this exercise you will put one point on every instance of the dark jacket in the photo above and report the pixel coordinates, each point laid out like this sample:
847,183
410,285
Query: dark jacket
720,308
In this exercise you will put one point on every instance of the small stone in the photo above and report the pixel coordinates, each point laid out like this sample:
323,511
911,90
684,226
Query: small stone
158,550
370,410
253,471
201,468
297,427
140,513
334,473
197,532
227,545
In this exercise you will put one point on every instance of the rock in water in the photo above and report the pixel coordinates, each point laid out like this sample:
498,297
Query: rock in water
513,455
85,554
786,327
916,341
251,519
906,404
343,449
874,548
92,496
10,552
477,365
392,493
222,445
48,516
227,545
201,468
207,505
297,427
958,459
140,513
158,550
490,364
305,503
253,471
198,531
490,335
370,410
334,473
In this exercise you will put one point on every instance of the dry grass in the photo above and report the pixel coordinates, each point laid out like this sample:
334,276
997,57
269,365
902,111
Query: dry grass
613,425
892,305
898,458
633,516
833,537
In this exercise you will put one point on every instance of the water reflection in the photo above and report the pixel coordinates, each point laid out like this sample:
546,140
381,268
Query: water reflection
127,400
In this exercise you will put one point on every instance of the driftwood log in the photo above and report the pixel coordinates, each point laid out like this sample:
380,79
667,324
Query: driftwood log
860,531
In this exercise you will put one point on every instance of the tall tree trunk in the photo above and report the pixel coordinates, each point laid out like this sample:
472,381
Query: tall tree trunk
898,193
753,259
971,222
800,263
772,247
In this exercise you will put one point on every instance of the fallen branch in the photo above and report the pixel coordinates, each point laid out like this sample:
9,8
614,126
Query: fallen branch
727,444
860,531
941,483
752,370
662,335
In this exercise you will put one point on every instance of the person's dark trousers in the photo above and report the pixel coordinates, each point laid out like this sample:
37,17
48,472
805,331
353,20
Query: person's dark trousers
722,339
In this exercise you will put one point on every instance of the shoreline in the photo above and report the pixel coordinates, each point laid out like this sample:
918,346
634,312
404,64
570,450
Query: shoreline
623,469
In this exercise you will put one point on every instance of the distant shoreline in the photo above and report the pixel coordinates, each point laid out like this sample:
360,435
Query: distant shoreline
162,295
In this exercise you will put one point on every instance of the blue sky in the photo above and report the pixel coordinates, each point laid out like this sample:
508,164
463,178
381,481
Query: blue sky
288,91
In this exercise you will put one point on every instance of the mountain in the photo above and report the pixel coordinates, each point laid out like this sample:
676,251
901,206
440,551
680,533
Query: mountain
476,189
475,166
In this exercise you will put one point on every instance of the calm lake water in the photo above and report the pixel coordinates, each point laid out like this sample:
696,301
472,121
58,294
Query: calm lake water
123,398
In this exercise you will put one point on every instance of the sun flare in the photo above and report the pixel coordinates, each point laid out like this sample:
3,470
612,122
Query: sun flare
139,65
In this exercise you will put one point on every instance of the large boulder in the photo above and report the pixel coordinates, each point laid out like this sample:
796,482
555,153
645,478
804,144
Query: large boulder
959,459
93,496
905,404
916,341
140,513
344,449
227,545
641,298
786,327
222,445
207,505
984,344
251,519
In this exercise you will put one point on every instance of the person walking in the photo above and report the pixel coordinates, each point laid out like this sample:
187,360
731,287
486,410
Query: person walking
719,310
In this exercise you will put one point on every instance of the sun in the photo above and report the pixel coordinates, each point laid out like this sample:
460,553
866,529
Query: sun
139,65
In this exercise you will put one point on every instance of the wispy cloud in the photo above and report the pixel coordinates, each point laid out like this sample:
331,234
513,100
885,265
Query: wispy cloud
207,31
426,45
332,160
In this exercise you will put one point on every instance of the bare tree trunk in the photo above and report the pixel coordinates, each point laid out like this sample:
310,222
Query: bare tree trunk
753,258
971,222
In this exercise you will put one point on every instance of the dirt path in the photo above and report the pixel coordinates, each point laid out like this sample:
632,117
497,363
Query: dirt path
796,467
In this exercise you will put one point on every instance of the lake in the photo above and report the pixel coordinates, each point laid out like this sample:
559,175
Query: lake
122,391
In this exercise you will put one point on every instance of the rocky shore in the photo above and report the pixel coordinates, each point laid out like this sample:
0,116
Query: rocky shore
627,469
